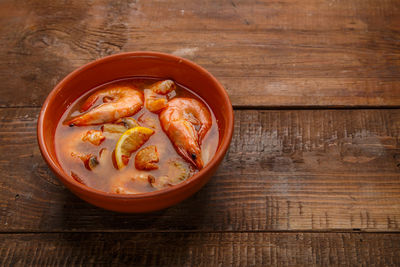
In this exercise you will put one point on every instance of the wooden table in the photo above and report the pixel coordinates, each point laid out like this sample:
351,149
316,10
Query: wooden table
312,175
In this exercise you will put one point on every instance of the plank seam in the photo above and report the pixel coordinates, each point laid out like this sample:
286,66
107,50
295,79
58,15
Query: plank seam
339,231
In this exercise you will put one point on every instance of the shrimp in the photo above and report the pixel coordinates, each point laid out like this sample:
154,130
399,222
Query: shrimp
147,158
155,99
163,87
186,121
131,185
119,102
94,136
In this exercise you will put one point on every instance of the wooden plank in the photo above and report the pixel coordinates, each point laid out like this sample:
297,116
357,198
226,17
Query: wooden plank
205,249
280,53
210,15
285,170
312,92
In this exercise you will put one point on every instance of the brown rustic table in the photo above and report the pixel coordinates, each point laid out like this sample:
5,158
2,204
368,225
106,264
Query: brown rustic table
312,175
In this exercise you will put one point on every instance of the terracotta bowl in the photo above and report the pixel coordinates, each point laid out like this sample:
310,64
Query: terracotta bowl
124,65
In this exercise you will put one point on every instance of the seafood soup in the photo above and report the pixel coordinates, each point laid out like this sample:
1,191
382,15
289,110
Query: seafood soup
136,135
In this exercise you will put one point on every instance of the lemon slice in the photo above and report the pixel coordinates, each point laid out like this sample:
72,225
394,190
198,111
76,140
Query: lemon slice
130,141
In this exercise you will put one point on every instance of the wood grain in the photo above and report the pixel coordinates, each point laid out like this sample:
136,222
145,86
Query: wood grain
312,171
194,249
267,54
285,170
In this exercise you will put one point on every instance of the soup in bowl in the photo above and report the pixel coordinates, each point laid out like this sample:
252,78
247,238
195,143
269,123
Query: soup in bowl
136,132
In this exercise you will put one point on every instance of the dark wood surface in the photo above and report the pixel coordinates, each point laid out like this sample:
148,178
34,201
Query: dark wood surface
312,176
285,170
200,249
266,53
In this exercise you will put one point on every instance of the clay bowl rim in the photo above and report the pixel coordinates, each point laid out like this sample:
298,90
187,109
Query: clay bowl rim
67,179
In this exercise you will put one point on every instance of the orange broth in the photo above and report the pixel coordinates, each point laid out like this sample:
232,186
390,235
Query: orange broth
105,176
